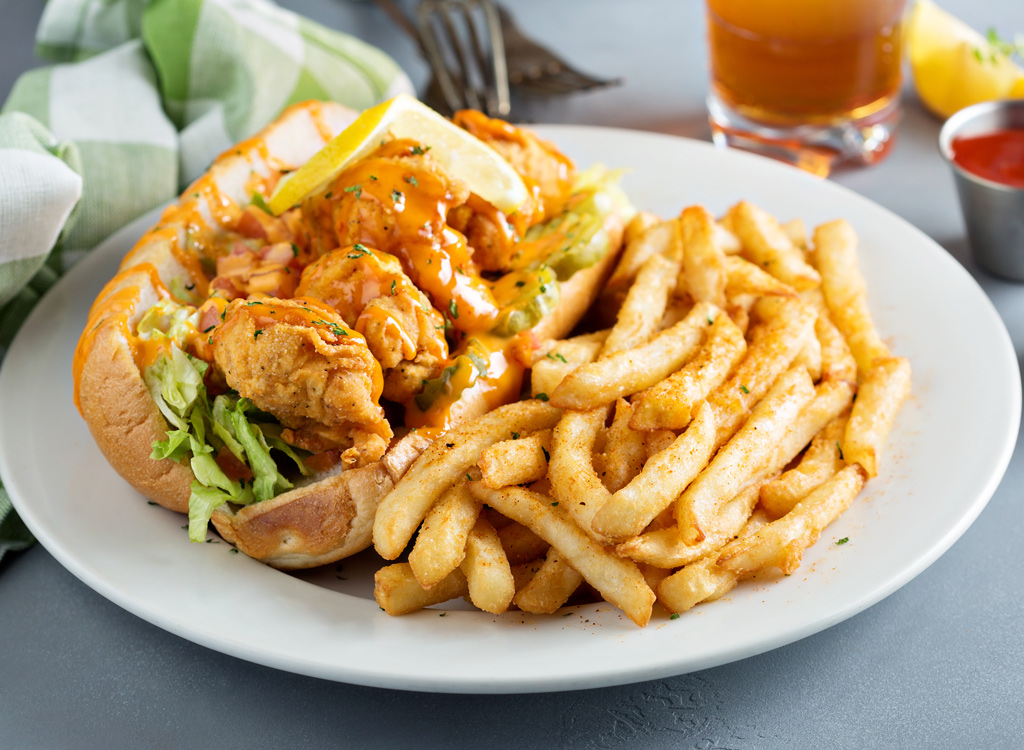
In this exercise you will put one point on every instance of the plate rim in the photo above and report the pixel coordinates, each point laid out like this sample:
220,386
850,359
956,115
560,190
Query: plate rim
547,683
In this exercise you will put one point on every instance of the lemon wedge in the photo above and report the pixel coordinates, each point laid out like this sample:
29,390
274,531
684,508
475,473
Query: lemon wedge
462,155
954,66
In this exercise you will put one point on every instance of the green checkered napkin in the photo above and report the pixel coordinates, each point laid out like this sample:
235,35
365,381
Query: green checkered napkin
141,98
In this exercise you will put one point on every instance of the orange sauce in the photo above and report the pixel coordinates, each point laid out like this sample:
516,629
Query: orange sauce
391,205
117,302
501,385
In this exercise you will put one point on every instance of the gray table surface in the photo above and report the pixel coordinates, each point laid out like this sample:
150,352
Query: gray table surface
940,663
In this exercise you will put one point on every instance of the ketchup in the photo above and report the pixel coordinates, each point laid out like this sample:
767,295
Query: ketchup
997,156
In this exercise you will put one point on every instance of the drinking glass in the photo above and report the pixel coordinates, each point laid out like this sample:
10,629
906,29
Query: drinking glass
812,82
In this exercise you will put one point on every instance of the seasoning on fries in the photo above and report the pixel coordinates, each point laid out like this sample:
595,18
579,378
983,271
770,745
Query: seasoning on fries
739,402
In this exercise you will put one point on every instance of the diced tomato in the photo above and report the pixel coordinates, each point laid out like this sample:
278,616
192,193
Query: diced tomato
250,226
232,467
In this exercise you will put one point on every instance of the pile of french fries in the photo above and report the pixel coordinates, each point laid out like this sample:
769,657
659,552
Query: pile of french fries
737,405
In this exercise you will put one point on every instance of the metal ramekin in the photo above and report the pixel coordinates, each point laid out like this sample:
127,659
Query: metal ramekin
994,213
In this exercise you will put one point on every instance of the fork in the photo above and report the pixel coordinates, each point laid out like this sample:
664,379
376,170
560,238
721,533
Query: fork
529,68
535,69
463,42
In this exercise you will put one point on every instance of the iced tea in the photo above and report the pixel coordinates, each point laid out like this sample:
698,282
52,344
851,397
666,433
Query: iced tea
788,63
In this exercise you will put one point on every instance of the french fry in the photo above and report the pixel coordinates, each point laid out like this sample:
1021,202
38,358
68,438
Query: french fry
781,543
640,223
644,306
518,461
768,246
879,397
523,573
656,441
743,277
488,574
810,357
668,404
561,358
831,398
574,483
744,455
837,362
625,450
727,240
773,346
520,544
678,308
660,239
443,464
703,265
550,587
666,548
398,592
633,370
822,460
661,481
797,233
703,580
835,249
441,544
619,581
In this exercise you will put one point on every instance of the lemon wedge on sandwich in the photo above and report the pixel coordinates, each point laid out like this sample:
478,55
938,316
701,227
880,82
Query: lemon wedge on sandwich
955,66
462,155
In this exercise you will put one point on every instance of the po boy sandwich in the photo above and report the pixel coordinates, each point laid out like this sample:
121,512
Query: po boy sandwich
329,298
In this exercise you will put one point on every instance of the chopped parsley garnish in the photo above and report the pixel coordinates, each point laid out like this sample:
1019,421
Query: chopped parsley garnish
554,503
256,335
207,330
515,435
674,616
453,309
744,388
295,250
541,397
840,449
419,151
373,177
329,194
396,196
393,282
711,321
556,355
260,203
520,283
844,540
358,251
412,181
547,456
357,189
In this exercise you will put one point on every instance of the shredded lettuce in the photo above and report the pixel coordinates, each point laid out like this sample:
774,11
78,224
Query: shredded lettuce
202,429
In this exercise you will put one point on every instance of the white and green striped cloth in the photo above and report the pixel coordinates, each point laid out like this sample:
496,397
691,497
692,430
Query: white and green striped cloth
141,98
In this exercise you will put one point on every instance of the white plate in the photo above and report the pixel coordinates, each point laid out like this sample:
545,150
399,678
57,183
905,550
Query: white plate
947,453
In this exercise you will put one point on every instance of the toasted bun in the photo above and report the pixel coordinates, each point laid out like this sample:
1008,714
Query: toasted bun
331,515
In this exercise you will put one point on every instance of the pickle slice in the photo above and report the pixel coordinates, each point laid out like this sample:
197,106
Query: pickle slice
525,298
461,374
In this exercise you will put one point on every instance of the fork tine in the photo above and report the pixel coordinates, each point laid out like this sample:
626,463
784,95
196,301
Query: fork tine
427,13
470,88
496,73
469,73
